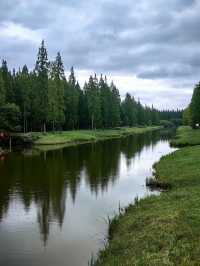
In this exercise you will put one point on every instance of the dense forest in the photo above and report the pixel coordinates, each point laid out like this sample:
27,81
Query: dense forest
191,115
44,99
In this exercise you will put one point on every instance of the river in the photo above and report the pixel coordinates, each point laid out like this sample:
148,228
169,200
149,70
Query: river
54,205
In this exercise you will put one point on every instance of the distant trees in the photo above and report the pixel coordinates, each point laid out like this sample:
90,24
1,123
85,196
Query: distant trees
195,106
129,111
2,90
191,115
44,99
187,116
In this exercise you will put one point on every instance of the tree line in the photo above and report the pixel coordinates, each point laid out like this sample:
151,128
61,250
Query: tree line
191,115
44,99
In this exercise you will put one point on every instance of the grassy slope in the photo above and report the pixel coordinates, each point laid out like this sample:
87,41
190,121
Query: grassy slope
67,137
186,136
165,229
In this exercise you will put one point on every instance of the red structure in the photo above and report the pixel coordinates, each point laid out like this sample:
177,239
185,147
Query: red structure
4,136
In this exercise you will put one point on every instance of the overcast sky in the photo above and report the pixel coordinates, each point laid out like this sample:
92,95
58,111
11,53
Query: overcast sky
150,48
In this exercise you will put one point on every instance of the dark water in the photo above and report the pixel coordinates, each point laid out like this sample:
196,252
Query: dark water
54,205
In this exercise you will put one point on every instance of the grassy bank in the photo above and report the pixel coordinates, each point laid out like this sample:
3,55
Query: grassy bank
81,136
164,229
186,136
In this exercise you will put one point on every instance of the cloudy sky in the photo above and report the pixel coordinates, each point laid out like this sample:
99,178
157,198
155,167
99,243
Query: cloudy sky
149,48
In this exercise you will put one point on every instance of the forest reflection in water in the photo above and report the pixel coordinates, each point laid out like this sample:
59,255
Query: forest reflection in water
46,179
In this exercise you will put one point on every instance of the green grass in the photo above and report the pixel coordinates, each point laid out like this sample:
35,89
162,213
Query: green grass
186,136
81,136
164,229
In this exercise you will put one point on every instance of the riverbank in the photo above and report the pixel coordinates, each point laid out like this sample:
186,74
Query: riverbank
164,229
82,136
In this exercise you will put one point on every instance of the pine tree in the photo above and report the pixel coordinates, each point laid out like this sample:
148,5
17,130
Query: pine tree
129,110
105,97
52,102
195,106
83,109
141,114
7,79
56,92
22,89
41,70
93,101
115,106
71,101
72,79
2,91
187,116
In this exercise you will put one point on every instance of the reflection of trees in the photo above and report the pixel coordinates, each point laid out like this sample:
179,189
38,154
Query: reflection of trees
47,178
102,164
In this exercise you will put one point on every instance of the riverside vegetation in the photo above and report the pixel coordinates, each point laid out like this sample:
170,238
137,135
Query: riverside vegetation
164,229
82,136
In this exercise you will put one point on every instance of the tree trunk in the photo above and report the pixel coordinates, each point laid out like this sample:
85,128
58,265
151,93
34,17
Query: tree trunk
44,127
24,121
92,122
53,126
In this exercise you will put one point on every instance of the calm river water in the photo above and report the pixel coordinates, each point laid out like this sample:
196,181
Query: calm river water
54,205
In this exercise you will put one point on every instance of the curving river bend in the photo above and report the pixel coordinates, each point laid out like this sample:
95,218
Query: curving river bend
54,205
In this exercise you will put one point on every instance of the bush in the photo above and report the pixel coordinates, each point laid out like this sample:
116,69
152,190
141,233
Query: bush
10,117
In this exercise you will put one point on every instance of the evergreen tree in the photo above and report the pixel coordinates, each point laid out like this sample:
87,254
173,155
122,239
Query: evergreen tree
195,106
129,110
187,116
83,109
56,92
7,79
22,89
71,101
115,106
105,98
41,70
141,114
154,116
2,90
93,101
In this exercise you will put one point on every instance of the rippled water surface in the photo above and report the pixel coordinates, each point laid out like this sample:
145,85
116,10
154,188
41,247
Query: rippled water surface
54,205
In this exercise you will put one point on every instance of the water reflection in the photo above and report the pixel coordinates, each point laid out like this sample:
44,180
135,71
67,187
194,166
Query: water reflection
46,179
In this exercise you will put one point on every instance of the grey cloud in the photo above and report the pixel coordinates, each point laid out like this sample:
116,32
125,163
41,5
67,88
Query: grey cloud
155,39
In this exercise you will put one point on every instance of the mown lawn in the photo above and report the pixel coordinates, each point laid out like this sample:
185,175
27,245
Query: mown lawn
164,229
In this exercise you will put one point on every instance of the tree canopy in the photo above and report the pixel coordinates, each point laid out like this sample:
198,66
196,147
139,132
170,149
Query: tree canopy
44,99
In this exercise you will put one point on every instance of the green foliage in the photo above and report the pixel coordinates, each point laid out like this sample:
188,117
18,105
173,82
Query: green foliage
72,93
76,136
195,106
8,82
9,117
2,90
115,102
47,100
129,111
187,120
166,124
93,100
186,136
41,70
56,93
